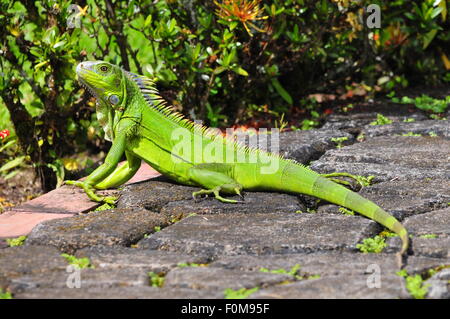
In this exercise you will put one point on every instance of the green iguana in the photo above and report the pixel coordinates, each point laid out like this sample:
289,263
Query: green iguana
141,126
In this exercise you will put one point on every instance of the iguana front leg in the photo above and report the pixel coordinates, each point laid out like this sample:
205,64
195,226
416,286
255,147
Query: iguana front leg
122,173
214,179
104,170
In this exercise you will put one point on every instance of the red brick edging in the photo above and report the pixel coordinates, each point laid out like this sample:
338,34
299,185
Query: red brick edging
62,202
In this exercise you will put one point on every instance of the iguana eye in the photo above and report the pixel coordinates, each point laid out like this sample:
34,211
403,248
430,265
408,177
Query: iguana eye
113,99
103,68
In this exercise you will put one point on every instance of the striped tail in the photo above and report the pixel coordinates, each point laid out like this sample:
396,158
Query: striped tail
315,185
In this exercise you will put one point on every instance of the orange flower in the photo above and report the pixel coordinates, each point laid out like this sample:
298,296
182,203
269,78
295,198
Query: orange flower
244,11
396,35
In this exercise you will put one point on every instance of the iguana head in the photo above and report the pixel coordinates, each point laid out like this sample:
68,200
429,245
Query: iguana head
105,81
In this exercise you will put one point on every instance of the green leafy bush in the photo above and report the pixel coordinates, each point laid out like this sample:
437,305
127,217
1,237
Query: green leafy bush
224,63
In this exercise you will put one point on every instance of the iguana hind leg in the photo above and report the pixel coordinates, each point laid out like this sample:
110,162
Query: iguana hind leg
213,177
361,180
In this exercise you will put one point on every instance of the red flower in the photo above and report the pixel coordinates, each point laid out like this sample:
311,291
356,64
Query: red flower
3,134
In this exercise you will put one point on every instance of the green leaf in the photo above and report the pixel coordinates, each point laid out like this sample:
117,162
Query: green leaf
240,71
281,91
41,64
219,70
12,164
436,12
11,142
148,21
58,44
36,51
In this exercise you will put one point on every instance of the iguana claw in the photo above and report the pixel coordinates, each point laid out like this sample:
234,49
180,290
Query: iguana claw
216,191
90,192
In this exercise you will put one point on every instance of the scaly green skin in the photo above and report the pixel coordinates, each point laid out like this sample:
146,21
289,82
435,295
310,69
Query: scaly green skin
142,127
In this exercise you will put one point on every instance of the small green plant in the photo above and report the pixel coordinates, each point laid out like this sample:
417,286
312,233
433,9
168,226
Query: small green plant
242,293
414,284
428,236
409,120
346,211
5,295
339,140
293,271
432,271
308,210
156,280
183,265
348,108
361,137
432,134
438,117
308,125
426,103
105,206
79,262
157,229
372,245
381,120
13,242
411,134
387,233
281,124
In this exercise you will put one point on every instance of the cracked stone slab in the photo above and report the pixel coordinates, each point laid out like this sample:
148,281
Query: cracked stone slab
343,263
438,127
20,260
254,202
154,195
354,287
121,227
439,285
260,234
388,158
420,264
118,293
432,223
123,257
220,279
88,278
171,199
403,198
429,247
305,146
355,122
435,223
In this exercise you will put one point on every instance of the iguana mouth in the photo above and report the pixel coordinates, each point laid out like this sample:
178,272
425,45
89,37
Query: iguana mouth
86,86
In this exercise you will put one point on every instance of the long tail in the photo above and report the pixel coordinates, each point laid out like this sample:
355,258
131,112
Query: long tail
299,179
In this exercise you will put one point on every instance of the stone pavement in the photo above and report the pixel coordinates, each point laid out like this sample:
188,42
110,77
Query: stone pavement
159,243
62,202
